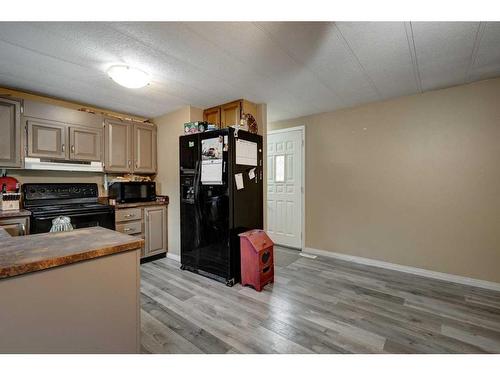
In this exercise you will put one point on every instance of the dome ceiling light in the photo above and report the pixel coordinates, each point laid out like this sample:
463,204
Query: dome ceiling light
129,77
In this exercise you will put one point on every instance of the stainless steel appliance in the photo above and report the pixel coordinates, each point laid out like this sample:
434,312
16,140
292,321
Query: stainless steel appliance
132,191
78,201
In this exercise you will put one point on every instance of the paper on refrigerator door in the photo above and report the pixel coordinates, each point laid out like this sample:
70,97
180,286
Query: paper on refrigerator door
211,172
211,161
246,152
239,181
251,174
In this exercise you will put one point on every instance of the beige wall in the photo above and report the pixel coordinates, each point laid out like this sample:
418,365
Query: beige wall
413,181
170,127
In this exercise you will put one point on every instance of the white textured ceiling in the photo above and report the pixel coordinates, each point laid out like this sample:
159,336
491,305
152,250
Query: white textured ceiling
297,68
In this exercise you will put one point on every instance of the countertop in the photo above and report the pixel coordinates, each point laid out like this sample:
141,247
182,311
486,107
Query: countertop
140,204
14,213
36,252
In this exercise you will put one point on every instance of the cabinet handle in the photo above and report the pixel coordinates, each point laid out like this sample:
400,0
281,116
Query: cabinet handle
136,164
127,229
23,229
129,215
129,163
63,147
73,149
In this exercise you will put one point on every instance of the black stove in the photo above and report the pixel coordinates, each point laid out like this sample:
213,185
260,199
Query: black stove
78,201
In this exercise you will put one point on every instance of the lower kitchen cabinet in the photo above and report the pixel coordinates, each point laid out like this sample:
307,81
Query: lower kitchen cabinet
155,220
16,226
148,221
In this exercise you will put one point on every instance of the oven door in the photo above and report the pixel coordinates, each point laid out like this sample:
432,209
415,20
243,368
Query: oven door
105,219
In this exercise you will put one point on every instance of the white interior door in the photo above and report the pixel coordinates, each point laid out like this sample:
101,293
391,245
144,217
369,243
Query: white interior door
284,187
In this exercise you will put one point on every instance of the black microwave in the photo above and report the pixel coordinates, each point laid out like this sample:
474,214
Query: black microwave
132,191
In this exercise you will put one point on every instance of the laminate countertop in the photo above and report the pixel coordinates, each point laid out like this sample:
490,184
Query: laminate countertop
141,204
14,213
36,252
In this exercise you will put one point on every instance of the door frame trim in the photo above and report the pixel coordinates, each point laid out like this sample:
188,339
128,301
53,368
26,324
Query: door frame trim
302,129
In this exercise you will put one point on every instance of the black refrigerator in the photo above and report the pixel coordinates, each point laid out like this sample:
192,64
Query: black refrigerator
221,194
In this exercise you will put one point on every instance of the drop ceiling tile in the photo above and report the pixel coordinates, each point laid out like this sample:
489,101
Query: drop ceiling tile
487,62
444,51
383,51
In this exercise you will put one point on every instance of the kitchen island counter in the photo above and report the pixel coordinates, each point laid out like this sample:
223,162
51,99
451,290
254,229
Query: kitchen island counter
24,254
70,292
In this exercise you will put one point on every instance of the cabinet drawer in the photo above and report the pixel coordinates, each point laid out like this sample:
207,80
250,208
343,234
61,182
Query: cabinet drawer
128,214
132,227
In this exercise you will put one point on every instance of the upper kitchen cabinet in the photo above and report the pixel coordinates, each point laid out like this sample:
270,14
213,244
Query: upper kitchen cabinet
117,146
229,114
85,143
144,149
212,115
47,139
58,133
129,147
10,128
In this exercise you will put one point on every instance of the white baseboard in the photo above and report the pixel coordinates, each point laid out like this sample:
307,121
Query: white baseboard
408,269
175,257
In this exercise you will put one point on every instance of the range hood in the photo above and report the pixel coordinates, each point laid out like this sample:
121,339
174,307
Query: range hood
62,165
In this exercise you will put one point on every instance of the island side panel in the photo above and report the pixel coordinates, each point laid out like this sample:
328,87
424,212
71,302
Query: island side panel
86,307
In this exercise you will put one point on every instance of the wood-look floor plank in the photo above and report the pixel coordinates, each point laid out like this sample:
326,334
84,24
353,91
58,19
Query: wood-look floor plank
320,305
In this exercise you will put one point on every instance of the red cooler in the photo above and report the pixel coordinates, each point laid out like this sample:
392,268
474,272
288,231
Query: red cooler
257,260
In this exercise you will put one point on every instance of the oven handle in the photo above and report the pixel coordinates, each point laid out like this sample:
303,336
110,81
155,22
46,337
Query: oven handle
72,215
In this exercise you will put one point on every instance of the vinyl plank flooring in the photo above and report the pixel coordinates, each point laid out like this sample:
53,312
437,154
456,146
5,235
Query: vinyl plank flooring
320,305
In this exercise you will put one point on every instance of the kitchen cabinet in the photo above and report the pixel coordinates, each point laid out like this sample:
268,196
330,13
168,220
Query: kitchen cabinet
144,149
145,220
155,234
55,140
47,139
85,143
212,115
15,226
10,130
118,146
129,147
229,114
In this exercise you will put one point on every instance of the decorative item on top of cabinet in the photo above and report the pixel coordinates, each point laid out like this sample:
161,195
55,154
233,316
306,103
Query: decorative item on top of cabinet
10,128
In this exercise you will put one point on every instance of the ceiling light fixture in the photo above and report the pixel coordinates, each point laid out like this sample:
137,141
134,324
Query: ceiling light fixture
129,77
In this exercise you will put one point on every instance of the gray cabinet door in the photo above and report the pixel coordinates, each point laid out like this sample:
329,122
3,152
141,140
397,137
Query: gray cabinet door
47,139
155,225
10,133
144,149
85,143
16,226
117,146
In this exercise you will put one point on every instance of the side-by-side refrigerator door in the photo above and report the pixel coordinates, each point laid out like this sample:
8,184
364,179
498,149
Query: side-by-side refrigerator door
189,158
214,204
